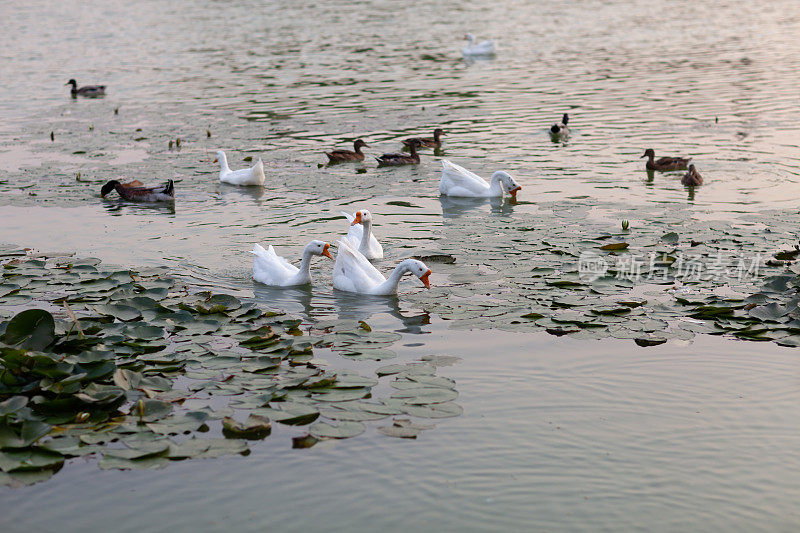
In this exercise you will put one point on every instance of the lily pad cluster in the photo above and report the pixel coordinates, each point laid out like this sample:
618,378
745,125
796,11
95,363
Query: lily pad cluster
670,276
139,370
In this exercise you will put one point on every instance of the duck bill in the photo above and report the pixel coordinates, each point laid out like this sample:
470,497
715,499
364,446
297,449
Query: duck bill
326,251
424,279
357,220
513,192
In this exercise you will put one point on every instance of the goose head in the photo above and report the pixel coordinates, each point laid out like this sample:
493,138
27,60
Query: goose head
649,153
508,182
316,247
362,217
469,38
419,269
220,157
108,187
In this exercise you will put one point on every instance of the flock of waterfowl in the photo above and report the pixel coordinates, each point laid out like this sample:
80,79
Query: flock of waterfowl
353,270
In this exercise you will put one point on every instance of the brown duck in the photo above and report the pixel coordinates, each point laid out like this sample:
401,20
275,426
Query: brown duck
137,192
665,163
338,156
692,178
401,159
427,142
89,91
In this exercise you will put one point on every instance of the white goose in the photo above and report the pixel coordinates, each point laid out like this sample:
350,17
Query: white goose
246,176
458,181
483,48
354,273
360,234
271,269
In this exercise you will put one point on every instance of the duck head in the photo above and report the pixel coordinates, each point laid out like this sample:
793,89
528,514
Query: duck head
108,187
438,132
649,153
362,217
359,144
565,119
319,248
508,182
73,83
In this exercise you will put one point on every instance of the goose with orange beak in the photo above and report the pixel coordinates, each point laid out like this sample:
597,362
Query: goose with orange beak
458,181
354,273
360,234
271,269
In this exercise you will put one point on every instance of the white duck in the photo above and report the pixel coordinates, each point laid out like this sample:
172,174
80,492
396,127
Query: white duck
246,176
360,234
483,48
354,273
271,269
458,181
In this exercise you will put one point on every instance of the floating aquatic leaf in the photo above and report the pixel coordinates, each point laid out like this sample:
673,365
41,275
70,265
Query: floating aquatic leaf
33,329
343,430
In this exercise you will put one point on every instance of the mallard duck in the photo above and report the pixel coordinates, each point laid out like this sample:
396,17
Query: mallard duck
245,176
692,178
427,142
401,159
271,269
360,234
338,156
354,273
560,129
137,192
664,163
89,91
458,181
483,48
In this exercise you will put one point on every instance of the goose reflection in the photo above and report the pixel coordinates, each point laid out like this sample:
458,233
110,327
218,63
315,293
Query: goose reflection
290,299
350,306
233,194
455,206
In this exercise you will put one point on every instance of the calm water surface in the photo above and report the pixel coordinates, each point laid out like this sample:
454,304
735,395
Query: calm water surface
558,434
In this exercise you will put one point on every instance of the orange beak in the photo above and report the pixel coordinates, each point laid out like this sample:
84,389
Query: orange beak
357,220
326,252
513,192
215,160
424,279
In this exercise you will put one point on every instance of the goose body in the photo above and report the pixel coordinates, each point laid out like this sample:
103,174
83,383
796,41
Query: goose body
360,234
354,273
137,192
243,177
427,142
665,163
338,156
401,159
692,178
271,269
89,91
458,181
483,48
559,130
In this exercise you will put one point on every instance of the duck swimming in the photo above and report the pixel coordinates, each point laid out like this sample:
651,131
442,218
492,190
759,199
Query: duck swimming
89,91
560,130
137,192
427,142
339,156
401,159
692,178
666,163
245,176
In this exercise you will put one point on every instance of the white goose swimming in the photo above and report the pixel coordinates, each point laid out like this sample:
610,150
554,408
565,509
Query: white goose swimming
354,273
271,269
246,176
458,181
360,234
483,48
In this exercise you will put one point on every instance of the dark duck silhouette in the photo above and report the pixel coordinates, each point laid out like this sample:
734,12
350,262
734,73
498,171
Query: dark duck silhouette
560,129
692,178
89,91
339,156
137,192
664,163
427,142
401,159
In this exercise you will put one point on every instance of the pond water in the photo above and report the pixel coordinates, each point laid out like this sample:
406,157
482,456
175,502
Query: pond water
580,432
